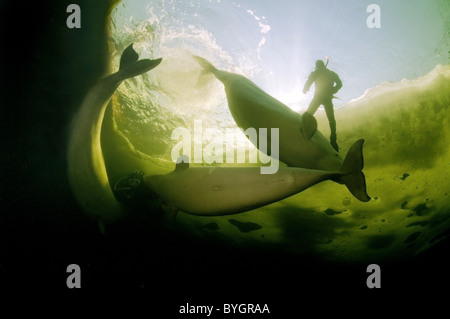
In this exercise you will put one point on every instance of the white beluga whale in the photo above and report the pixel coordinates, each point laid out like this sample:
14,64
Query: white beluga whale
86,166
215,190
300,143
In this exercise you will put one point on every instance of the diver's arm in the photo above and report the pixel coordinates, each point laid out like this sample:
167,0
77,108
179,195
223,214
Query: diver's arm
309,82
338,82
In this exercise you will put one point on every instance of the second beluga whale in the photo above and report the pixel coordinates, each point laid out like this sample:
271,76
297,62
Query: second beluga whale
300,143
87,172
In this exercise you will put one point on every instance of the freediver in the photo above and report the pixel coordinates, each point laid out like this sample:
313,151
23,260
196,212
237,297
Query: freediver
327,83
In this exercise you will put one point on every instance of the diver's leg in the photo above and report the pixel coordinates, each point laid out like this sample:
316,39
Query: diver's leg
329,110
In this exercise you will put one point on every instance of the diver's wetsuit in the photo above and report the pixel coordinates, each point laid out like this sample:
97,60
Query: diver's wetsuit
325,81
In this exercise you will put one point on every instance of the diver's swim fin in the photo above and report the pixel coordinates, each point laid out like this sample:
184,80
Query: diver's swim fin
353,177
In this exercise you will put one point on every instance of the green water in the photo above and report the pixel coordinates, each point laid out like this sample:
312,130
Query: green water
405,125
406,165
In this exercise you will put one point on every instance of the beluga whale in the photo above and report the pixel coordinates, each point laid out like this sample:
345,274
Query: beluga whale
86,166
300,142
215,190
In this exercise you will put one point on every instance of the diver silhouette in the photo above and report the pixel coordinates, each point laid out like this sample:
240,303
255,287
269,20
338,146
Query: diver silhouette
327,83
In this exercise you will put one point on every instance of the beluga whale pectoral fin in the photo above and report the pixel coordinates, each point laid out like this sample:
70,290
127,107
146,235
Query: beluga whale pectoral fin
352,175
309,125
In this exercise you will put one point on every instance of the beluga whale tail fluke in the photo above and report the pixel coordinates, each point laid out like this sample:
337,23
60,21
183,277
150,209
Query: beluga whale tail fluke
86,166
131,66
352,176
209,68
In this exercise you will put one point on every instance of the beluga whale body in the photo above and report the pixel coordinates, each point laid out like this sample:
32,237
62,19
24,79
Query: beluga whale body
86,166
212,191
300,143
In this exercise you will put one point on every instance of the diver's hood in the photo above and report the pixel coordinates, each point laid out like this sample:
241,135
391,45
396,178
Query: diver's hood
129,187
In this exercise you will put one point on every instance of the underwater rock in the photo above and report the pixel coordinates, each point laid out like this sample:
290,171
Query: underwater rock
332,212
379,241
418,224
421,210
245,227
440,236
411,238
405,176
346,201
211,226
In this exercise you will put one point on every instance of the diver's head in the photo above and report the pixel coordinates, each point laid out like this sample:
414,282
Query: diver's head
129,187
132,191
320,65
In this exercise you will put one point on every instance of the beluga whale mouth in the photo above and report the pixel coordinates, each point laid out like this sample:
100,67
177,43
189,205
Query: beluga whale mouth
86,166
